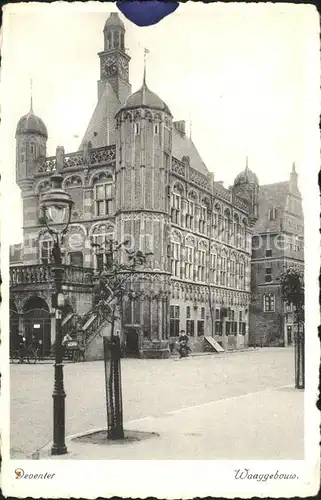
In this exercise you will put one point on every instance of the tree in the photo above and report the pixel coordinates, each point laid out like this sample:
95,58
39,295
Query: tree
114,282
292,289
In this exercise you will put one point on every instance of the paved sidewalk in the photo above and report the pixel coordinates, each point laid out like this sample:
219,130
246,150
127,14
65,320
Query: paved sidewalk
263,425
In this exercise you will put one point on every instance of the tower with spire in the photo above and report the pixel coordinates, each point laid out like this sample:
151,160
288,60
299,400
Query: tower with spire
246,187
31,143
114,61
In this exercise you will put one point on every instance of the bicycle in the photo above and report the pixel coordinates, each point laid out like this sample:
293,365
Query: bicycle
29,354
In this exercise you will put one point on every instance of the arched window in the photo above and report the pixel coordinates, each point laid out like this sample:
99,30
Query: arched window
190,212
45,248
226,225
189,261
136,128
176,201
103,198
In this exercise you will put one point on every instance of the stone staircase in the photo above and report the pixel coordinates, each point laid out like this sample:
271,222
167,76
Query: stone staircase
90,324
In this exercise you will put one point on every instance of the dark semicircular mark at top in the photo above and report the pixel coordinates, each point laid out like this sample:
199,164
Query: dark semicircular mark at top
146,12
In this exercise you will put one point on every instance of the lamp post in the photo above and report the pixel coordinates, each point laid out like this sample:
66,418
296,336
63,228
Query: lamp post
56,207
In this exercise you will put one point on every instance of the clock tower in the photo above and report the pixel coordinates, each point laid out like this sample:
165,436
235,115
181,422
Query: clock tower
114,62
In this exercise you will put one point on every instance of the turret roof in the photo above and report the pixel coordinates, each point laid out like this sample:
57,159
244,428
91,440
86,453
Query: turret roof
31,124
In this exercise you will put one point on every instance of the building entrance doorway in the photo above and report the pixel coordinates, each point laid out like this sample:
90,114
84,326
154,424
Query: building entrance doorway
131,342
37,323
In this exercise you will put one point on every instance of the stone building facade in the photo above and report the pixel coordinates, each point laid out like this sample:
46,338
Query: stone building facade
137,175
278,243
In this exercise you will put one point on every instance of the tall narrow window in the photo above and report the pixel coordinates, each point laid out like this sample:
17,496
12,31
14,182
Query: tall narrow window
46,250
241,269
175,262
272,213
269,302
223,271
176,207
189,263
101,238
215,224
103,199
201,264
213,267
174,314
190,215
136,128
202,220
232,274
156,129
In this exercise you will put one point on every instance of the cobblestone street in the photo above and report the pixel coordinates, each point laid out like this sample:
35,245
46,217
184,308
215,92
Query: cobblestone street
153,388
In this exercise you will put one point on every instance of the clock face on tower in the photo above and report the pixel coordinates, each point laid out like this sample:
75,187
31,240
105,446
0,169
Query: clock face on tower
110,66
123,69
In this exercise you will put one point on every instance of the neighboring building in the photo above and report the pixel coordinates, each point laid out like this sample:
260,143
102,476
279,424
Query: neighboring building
137,175
278,243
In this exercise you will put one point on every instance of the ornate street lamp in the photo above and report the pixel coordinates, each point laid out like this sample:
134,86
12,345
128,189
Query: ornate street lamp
56,207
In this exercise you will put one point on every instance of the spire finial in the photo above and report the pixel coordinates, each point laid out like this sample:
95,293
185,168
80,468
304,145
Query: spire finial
247,163
293,168
146,51
31,108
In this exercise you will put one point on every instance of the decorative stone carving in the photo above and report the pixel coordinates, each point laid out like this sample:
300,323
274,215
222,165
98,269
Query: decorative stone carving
73,181
47,165
178,167
102,176
102,155
73,160
198,178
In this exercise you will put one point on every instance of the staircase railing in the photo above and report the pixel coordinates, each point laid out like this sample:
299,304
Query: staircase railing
92,326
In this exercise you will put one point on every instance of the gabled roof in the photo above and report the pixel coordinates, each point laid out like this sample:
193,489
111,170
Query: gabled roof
276,192
182,145
101,129
271,196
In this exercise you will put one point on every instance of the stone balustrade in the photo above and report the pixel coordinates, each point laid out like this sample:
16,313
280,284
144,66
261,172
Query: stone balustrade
41,273
95,156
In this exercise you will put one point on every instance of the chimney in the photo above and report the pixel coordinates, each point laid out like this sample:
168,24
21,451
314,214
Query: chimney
180,126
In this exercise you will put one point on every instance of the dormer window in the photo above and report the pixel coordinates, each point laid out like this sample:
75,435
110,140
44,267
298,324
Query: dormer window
136,128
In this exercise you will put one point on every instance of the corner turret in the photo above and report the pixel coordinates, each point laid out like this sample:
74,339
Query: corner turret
246,187
31,143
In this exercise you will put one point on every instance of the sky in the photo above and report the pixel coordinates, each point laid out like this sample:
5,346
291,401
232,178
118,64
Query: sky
244,76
